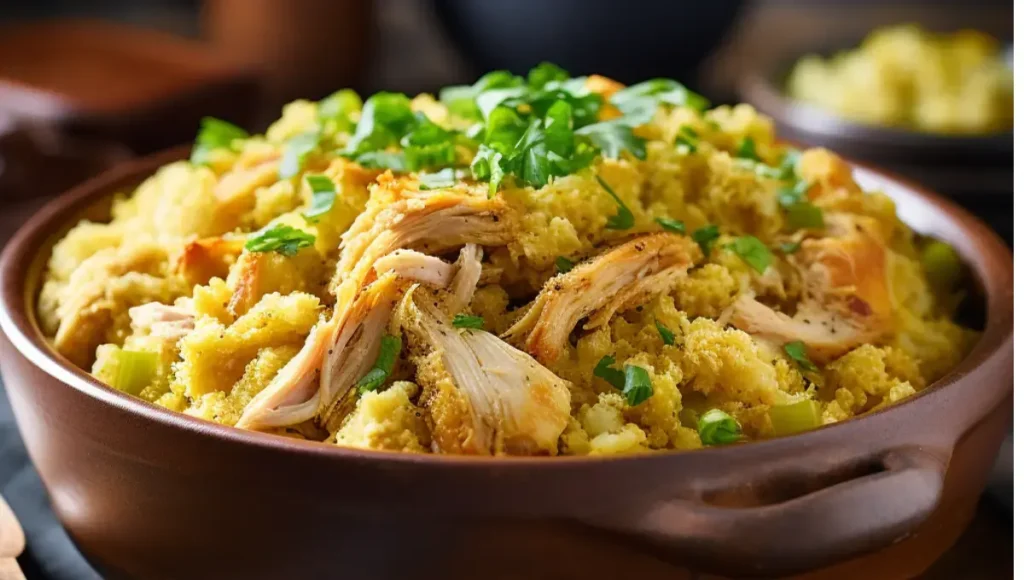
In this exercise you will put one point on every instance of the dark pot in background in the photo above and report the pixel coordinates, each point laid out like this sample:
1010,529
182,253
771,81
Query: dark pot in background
629,41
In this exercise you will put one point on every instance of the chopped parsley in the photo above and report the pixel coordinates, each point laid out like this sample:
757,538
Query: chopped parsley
716,427
467,321
747,150
447,177
671,225
753,251
705,238
334,113
687,138
613,137
623,220
563,264
214,134
544,73
800,212
797,351
390,346
296,149
324,194
789,247
667,336
640,101
280,238
604,370
638,386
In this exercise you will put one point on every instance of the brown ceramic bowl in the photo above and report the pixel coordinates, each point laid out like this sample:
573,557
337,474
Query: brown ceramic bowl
148,493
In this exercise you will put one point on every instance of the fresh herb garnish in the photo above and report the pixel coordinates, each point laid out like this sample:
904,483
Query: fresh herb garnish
671,225
613,137
753,251
214,134
623,220
467,321
427,145
390,346
385,119
296,149
747,150
800,212
393,160
604,370
638,386
687,138
640,101
324,194
789,247
445,178
797,351
667,336
563,264
705,238
789,163
280,238
716,427
544,73
335,111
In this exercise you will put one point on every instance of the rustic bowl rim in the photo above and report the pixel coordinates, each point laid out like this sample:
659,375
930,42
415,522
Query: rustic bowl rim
981,248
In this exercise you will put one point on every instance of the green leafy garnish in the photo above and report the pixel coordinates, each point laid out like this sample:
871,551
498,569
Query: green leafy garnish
445,178
795,417
427,145
295,152
640,101
467,321
335,111
214,134
393,160
461,99
797,351
623,220
604,370
671,225
789,163
747,150
753,251
705,238
544,73
280,238
390,346
638,386
563,264
667,336
800,212
135,370
688,138
789,247
324,194
716,427
613,137
385,119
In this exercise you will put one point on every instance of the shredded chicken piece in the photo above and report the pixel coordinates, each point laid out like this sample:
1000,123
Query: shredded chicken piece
447,219
484,396
414,265
622,276
161,320
848,301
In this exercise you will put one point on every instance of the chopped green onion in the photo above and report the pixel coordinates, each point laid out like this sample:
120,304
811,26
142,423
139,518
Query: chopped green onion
705,238
671,225
605,371
135,370
753,251
390,346
716,427
214,134
467,321
563,264
441,179
667,336
796,417
797,351
789,195
805,215
789,247
623,220
637,388
280,238
748,150
324,194
295,152
942,265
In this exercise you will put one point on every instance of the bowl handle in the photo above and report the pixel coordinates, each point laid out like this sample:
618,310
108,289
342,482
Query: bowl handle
859,514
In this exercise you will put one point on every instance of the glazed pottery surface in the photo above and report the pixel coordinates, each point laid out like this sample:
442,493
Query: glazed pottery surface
147,493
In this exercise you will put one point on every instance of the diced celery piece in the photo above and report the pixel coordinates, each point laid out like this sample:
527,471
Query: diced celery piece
795,417
135,370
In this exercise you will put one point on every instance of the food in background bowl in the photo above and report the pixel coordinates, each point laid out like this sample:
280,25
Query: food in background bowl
904,76
548,265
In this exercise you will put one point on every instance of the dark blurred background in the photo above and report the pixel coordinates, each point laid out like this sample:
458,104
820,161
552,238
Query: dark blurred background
86,84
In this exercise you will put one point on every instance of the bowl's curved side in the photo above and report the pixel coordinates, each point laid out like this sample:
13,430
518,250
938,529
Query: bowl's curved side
226,494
